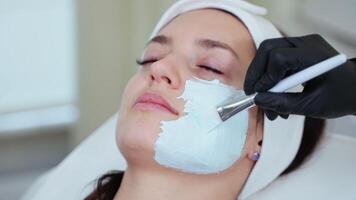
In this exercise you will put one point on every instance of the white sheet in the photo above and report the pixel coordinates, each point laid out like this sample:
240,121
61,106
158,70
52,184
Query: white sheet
330,174
72,177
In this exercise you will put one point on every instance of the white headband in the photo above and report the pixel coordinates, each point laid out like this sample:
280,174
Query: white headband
281,138
249,14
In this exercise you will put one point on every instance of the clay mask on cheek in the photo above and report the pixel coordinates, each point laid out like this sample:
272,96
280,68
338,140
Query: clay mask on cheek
198,142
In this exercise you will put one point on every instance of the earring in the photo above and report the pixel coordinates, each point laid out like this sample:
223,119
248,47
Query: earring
255,156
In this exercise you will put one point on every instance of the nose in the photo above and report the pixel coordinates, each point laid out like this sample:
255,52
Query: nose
165,72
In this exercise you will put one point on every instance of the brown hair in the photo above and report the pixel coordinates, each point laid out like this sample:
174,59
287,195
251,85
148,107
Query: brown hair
106,186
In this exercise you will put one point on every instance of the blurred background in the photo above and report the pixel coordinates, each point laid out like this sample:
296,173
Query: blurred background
64,64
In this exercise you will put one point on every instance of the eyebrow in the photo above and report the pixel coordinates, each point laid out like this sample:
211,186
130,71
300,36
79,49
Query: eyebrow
202,42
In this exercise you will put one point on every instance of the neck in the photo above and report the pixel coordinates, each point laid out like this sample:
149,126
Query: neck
164,183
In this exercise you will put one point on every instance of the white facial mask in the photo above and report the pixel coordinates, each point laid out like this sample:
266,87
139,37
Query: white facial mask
198,142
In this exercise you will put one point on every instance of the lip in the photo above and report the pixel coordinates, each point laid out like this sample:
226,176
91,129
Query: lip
154,101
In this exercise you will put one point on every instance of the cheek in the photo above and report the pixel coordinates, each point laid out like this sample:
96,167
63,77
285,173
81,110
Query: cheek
131,90
136,132
135,135
237,79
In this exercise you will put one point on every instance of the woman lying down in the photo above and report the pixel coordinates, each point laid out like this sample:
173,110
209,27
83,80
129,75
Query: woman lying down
196,58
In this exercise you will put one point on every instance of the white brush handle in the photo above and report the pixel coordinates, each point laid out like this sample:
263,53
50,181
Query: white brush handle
309,73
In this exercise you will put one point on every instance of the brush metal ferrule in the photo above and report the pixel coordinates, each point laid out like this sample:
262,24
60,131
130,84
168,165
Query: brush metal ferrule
235,105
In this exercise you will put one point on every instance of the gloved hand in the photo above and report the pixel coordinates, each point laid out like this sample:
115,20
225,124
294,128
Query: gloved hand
329,95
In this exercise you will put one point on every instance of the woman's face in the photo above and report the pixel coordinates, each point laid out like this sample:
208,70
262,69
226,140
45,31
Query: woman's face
208,44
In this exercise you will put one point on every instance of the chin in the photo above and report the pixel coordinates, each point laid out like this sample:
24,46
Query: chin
136,136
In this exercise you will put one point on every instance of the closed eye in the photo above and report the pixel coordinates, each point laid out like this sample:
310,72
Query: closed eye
208,68
144,62
214,70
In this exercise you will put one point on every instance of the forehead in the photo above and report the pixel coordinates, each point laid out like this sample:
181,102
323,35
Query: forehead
208,23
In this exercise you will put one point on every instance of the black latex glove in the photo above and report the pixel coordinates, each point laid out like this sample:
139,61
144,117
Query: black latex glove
329,95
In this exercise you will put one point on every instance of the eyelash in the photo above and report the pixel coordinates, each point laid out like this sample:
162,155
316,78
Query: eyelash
211,69
144,62
214,70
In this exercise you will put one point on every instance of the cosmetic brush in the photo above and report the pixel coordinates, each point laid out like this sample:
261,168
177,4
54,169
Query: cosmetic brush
237,104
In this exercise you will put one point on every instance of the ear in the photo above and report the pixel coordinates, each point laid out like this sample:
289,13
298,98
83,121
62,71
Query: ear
254,135
260,125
